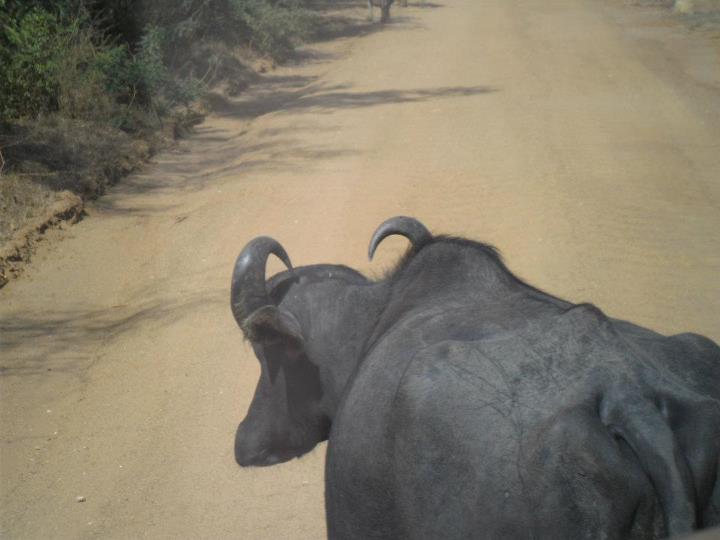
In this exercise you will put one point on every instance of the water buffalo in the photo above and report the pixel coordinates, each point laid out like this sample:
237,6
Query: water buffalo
384,6
461,402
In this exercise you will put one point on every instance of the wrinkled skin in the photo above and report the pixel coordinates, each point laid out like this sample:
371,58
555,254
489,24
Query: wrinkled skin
460,402
299,387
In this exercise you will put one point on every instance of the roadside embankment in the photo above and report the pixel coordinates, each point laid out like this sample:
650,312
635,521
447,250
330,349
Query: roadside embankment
88,96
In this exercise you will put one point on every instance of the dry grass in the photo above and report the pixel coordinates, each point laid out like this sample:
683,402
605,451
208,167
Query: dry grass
21,201
54,154
65,154
49,167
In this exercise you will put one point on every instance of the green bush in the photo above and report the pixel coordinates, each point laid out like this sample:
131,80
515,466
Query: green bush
52,65
164,90
28,54
101,60
143,80
81,81
271,27
75,69
274,29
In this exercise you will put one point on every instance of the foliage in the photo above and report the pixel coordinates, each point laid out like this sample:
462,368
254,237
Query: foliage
88,88
95,59
28,46
274,29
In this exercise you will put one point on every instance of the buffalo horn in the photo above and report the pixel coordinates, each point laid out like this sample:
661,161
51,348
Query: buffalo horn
408,227
248,292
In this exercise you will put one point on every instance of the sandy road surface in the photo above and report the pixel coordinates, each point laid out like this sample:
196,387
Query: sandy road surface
582,138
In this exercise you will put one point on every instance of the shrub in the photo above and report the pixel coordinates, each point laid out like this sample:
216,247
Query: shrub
93,59
163,90
73,68
274,29
28,54
81,80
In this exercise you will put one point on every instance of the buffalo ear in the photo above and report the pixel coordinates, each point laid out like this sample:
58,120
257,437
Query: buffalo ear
271,325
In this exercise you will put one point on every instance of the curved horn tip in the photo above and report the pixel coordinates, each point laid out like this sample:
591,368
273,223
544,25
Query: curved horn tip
406,226
247,290
263,246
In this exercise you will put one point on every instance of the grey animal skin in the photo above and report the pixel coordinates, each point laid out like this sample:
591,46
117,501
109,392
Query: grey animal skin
384,6
461,402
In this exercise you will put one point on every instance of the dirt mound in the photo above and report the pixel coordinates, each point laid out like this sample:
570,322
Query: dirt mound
66,209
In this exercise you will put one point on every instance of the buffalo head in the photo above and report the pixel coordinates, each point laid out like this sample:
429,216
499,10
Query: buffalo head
308,327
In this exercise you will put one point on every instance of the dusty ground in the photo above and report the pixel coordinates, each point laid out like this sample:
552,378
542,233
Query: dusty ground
580,137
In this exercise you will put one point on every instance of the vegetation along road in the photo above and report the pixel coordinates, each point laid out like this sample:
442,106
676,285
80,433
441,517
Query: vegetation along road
582,137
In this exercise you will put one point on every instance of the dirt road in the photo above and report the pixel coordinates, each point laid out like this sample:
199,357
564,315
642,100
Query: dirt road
581,137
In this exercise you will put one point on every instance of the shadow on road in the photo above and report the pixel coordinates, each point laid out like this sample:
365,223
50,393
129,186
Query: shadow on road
425,5
68,341
319,98
217,153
